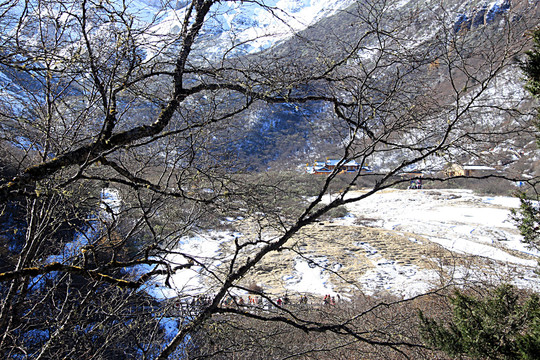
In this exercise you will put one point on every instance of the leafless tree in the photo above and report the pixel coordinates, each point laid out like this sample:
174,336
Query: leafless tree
118,142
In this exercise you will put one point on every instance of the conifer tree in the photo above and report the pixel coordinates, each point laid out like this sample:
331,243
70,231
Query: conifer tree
528,216
499,326
531,66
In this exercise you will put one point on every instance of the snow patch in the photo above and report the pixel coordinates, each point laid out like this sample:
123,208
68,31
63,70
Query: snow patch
405,281
308,278
205,248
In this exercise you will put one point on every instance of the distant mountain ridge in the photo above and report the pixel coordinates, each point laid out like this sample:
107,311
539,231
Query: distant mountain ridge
292,133
307,145
261,27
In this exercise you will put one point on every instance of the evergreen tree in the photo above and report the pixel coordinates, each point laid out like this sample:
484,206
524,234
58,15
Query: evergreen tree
528,222
499,326
528,216
531,66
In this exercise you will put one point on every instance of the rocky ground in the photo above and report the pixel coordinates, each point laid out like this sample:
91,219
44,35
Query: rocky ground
404,242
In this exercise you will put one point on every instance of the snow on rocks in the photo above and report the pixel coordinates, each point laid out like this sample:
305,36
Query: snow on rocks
111,203
309,277
483,250
206,249
456,219
405,281
424,239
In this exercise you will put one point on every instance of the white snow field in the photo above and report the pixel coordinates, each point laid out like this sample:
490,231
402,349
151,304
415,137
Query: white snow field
458,220
461,222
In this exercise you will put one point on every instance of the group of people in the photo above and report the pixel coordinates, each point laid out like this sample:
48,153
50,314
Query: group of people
415,184
201,301
329,300
252,301
287,301
259,301
239,301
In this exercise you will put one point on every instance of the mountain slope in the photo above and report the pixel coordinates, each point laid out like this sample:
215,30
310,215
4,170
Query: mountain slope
431,34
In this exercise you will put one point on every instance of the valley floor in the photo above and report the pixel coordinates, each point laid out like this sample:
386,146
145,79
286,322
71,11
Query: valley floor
403,242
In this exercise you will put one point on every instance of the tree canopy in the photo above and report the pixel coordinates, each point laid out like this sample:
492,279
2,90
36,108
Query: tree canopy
119,140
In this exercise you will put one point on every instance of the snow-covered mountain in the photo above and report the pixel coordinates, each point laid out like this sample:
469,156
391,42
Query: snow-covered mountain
256,26
249,28
244,27
460,18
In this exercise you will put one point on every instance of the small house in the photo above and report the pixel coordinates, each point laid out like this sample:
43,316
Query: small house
329,166
454,170
477,170
468,170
